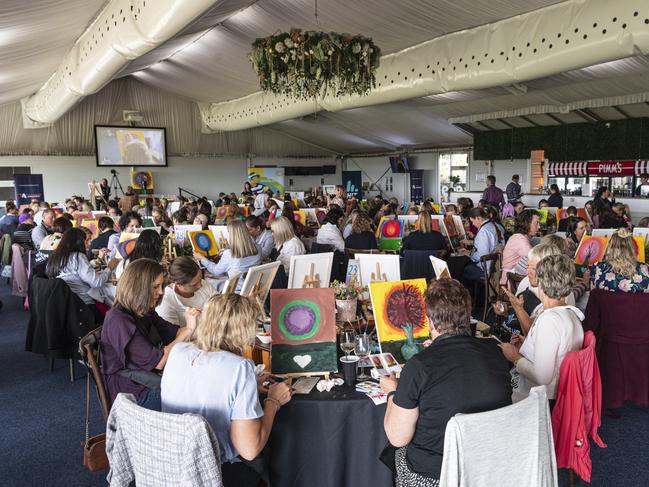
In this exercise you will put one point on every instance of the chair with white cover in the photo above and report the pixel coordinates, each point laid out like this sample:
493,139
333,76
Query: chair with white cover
155,449
478,447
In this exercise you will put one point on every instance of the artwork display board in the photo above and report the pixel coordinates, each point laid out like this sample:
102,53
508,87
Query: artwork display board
400,316
303,331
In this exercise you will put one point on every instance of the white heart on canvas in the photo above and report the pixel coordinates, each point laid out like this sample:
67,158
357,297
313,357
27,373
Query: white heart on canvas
302,360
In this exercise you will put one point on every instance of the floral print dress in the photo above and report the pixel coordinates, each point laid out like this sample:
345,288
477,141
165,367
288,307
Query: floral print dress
603,277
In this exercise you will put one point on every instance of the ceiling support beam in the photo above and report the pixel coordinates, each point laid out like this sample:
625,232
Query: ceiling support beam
506,123
589,113
620,111
482,124
530,121
555,118
466,128
581,114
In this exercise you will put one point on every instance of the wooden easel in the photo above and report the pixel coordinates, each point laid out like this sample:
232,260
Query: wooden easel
312,279
256,292
378,276
170,250
231,288
223,242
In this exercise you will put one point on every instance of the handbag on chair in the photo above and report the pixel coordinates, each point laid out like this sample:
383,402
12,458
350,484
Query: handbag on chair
94,448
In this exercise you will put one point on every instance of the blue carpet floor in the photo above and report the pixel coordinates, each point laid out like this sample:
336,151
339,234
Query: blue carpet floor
42,421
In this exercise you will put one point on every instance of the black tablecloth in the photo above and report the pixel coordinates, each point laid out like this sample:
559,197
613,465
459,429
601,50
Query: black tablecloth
329,439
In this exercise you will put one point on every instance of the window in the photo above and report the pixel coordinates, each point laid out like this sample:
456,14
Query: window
453,171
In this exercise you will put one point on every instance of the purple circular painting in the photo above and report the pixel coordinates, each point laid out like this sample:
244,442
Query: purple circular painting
299,320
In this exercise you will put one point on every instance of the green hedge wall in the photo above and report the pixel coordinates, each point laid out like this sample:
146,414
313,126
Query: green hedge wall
623,139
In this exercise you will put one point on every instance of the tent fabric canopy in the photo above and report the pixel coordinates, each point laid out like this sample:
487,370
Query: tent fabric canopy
207,62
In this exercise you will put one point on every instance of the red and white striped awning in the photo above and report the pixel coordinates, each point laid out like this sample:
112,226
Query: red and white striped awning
641,167
578,168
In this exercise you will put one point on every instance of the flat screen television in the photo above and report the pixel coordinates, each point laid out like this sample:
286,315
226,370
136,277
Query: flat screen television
130,146
399,164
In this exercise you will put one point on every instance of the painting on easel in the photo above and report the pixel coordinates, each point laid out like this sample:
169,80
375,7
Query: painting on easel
303,331
400,316
310,270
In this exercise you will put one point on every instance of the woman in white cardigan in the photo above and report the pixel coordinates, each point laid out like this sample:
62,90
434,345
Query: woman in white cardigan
286,243
555,332
329,233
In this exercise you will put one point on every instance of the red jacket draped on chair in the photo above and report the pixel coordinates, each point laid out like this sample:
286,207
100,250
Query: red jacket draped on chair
577,412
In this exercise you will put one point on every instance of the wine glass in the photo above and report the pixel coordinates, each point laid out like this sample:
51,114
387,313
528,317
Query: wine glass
347,342
362,349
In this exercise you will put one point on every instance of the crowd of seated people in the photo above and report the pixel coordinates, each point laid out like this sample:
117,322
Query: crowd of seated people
169,323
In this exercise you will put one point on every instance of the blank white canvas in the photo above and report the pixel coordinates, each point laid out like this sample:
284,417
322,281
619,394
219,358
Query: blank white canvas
603,232
641,232
439,266
219,232
182,232
141,229
388,264
267,273
301,266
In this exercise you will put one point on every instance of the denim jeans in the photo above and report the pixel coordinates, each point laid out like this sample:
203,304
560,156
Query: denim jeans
150,400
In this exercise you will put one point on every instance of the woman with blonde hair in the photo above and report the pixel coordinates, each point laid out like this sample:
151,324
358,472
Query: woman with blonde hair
620,270
424,237
241,255
209,376
135,341
362,236
286,242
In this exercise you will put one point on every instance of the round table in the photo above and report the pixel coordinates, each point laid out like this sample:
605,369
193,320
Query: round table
329,439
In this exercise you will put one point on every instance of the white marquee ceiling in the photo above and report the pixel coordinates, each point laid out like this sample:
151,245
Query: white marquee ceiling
207,62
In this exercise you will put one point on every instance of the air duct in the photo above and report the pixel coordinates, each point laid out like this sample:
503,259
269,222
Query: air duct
562,37
123,31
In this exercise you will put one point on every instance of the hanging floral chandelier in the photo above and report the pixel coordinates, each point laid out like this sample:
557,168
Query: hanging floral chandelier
306,64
